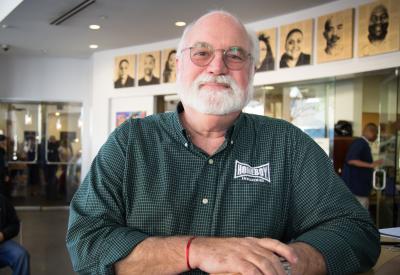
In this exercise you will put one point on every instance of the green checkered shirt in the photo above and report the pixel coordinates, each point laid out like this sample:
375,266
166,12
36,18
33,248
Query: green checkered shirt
268,179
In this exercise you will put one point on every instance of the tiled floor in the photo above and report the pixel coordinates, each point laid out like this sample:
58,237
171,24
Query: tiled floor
43,235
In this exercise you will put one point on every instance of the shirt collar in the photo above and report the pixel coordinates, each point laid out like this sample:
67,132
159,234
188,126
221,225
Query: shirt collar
231,134
366,140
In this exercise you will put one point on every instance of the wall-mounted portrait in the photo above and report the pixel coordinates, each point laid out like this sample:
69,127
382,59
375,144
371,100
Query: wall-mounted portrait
124,71
378,27
168,57
335,36
267,43
296,44
149,68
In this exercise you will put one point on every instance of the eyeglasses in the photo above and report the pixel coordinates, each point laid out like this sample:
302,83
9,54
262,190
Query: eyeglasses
203,53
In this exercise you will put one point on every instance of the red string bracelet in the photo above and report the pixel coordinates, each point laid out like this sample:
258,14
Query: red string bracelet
187,252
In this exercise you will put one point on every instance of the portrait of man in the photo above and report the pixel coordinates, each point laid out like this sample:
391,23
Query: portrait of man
169,66
267,42
296,44
335,36
124,71
149,69
379,28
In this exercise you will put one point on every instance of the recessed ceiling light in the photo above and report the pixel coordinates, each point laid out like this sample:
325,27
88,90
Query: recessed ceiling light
268,88
180,23
94,27
4,26
93,46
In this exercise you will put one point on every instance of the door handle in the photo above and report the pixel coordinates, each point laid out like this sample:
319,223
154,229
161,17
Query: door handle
374,181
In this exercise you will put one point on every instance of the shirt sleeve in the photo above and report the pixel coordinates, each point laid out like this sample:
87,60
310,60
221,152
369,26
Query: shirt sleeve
326,215
97,234
355,151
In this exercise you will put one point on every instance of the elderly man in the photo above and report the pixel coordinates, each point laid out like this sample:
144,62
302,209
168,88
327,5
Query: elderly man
209,189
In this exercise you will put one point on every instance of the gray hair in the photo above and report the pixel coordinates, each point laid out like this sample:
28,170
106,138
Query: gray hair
252,37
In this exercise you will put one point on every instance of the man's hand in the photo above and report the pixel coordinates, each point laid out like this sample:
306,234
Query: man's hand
241,255
1,237
310,261
377,163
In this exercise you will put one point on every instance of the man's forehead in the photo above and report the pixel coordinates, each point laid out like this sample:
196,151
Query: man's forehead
218,28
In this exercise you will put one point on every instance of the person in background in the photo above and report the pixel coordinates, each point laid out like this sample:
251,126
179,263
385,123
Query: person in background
359,165
3,165
211,189
294,55
51,167
12,254
65,154
169,74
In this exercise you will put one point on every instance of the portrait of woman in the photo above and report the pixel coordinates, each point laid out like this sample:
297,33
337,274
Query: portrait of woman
293,55
296,41
266,41
169,70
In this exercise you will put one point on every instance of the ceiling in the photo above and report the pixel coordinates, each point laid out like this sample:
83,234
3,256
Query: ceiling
123,23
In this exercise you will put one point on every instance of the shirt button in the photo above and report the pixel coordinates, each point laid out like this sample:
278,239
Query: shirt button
205,201
186,145
210,161
231,141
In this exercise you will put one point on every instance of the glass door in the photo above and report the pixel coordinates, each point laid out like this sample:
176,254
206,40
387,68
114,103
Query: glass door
42,145
385,196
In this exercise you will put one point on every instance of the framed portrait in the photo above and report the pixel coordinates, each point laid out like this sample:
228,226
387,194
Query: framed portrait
124,71
267,44
121,117
296,44
149,68
335,36
168,65
378,27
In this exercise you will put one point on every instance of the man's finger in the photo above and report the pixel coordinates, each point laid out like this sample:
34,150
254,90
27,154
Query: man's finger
279,248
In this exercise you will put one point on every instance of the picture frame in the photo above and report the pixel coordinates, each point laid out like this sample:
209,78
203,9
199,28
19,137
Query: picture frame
335,36
168,63
267,50
296,44
149,68
124,71
378,28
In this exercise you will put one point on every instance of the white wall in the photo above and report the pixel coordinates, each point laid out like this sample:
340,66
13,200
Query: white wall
103,63
49,79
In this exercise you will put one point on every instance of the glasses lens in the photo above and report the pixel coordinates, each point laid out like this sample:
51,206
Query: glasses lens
235,58
201,55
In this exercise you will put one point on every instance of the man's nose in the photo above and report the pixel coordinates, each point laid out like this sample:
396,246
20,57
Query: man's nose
217,65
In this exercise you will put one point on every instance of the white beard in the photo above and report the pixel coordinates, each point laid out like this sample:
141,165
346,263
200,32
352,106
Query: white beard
213,102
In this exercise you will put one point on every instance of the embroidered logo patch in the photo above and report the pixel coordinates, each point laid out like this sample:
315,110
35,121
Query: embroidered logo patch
246,172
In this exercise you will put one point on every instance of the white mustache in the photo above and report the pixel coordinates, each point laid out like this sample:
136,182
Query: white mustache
220,79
